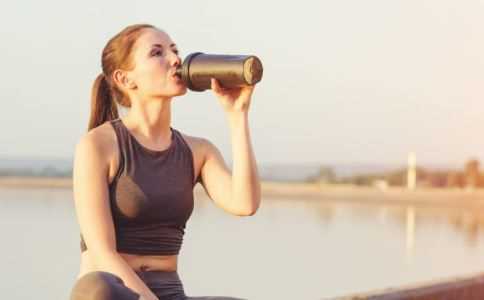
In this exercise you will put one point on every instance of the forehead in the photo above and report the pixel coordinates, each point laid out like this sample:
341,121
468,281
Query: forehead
148,38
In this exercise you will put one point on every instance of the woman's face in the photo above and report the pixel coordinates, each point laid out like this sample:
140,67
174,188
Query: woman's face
155,58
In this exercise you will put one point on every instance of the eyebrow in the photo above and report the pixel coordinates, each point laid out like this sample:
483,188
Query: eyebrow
161,46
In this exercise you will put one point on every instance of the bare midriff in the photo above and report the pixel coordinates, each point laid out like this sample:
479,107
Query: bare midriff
136,262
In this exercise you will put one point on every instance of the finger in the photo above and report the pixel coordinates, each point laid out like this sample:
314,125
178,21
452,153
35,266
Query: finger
215,85
250,87
247,90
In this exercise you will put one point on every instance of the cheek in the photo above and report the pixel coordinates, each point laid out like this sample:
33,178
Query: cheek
153,77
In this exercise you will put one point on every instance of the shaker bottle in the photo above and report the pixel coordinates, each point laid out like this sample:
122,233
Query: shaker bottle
230,70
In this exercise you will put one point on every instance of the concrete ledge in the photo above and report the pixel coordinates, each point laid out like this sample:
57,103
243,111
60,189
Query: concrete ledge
466,288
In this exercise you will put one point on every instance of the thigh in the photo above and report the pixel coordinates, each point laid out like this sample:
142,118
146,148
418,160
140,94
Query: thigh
101,286
213,298
165,285
168,285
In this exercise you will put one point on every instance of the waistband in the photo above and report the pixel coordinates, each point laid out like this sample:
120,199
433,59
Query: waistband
164,284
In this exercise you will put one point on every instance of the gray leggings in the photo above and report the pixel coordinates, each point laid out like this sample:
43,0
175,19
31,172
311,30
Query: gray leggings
107,286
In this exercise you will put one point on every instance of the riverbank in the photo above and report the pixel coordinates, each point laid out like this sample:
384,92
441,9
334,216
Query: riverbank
293,191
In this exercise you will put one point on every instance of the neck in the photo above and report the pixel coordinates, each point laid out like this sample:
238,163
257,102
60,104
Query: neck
151,120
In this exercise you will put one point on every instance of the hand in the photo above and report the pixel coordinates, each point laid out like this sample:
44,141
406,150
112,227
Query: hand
233,100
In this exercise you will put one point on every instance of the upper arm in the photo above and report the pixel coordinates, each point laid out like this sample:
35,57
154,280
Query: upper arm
216,177
91,196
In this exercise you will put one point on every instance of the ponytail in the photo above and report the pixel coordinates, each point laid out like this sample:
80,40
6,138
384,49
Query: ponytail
106,96
103,106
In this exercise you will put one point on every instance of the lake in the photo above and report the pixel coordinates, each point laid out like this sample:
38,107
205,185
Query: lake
293,248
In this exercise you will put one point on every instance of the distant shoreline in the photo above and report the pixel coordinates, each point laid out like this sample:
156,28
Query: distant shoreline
295,191
35,182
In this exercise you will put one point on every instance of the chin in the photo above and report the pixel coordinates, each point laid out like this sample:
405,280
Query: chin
180,92
172,92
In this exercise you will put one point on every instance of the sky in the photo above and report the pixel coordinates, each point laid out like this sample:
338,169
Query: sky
345,81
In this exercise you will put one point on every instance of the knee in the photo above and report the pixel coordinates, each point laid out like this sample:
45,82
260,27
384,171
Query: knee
101,286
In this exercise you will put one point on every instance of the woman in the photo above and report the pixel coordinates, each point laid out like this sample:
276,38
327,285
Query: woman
134,176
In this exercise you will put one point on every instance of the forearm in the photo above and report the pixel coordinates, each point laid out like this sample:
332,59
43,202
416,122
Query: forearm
245,177
114,263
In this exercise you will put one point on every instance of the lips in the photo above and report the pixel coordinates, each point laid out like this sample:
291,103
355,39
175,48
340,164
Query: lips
173,74
177,79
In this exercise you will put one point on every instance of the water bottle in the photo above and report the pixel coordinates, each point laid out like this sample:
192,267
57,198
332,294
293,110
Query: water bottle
231,71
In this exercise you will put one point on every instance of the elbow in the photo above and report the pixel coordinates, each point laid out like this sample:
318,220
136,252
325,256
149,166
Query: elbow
246,213
256,201
100,257
250,211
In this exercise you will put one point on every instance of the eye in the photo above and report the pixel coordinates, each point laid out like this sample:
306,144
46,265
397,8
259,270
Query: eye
157,52
176,51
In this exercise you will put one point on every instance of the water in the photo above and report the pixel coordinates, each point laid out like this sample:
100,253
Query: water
272,172
291,249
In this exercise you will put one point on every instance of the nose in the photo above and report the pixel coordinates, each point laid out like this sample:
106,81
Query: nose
175,60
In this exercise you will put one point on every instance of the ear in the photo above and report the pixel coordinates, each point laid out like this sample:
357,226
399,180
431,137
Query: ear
122,78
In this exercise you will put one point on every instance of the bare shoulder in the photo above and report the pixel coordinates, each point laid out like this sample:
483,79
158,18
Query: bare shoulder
201,148
197,144
100,142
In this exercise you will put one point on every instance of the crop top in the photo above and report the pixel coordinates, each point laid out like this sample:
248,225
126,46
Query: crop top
151,195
